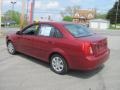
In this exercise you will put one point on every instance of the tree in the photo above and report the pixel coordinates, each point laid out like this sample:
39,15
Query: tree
111,15
13,16
70,11
101,15
68,18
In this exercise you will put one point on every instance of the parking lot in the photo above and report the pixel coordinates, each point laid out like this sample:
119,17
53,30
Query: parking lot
21,72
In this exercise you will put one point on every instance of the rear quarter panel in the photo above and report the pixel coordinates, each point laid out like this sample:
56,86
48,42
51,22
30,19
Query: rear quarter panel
69,49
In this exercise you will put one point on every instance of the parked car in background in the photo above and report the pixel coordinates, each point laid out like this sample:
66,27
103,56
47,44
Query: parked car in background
63,45
2,24
8,23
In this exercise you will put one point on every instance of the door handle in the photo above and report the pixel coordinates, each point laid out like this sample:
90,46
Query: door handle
50,42
28,39
18,37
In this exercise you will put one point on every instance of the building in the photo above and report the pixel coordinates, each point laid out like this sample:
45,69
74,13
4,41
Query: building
99,24
84,16
43,19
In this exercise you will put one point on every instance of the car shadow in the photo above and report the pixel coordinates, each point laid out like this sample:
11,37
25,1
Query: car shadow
85,74
73,73
34,60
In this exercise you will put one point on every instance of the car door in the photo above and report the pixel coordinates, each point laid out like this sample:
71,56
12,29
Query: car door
46,40
26,40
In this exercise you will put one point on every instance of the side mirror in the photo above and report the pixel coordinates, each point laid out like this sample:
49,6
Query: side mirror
18,33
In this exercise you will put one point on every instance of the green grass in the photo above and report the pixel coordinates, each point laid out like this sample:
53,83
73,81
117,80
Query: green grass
112,26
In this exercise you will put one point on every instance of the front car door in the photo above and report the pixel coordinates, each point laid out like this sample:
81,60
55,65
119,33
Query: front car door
46,40
26,40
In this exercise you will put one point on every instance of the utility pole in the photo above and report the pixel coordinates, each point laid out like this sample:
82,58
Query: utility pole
22,15
117,13
0,16
27,16
32,11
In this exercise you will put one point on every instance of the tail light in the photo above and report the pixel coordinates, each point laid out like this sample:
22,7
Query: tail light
87,49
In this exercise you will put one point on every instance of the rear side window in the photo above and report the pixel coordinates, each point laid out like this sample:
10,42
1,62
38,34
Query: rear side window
57,33
49,31
45,30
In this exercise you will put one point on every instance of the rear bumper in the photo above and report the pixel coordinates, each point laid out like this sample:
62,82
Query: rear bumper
92,62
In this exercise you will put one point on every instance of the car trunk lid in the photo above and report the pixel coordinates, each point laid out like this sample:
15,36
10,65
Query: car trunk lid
98,44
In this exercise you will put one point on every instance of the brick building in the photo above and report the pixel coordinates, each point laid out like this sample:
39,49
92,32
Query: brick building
83,16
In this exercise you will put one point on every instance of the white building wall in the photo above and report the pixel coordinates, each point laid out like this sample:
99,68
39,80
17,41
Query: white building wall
99,24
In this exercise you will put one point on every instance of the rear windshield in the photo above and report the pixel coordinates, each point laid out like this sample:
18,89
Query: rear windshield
78,30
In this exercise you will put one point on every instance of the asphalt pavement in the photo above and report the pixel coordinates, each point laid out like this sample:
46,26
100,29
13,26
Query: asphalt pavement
21,72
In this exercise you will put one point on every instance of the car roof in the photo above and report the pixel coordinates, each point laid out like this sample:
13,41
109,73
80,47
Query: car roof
54,22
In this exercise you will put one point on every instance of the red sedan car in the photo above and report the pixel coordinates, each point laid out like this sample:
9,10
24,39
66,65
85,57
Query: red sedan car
63,45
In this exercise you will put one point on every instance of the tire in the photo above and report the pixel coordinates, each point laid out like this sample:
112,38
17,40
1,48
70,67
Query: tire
58,64
10,47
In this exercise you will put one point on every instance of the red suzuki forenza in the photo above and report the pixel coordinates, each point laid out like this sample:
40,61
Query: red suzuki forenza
64,45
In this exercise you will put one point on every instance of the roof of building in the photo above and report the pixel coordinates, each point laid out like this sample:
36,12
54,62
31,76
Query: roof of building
88,14
100,20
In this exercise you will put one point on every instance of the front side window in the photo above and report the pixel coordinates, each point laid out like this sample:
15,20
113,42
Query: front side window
32,30
78,30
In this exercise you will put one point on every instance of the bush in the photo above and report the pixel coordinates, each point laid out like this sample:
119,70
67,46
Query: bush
68,18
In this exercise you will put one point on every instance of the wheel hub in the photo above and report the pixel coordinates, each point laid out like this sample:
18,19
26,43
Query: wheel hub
57,64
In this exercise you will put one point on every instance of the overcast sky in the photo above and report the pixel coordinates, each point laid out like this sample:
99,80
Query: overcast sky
53,7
